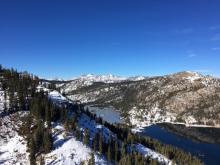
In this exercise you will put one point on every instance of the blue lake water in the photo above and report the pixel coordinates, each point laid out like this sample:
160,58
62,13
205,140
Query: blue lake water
108,114
209,153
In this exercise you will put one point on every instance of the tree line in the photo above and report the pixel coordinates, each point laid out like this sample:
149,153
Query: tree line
18,88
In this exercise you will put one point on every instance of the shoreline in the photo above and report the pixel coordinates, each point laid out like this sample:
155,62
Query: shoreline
140,128
189,125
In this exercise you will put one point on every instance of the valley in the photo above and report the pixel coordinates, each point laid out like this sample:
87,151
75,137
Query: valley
98,119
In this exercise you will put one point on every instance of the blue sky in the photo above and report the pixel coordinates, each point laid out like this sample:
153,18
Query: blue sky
65,39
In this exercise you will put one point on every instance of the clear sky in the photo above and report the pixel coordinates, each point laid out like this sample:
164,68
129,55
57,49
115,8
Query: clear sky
59,38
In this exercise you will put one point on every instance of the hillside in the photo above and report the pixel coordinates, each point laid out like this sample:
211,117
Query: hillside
185,97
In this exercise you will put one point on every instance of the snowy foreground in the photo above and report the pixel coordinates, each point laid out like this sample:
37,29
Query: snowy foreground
13,147
67,150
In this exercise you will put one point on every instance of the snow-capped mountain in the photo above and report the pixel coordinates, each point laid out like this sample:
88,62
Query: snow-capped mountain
90,79
187,97
102,78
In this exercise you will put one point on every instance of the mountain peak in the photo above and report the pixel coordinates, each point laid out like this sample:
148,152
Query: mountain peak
187,75
101,78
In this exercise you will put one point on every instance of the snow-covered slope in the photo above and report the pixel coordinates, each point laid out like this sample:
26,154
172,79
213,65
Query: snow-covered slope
13,147
154,155
87,80
90,79
68,151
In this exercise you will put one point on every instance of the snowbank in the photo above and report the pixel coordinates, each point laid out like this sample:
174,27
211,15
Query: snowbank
154,155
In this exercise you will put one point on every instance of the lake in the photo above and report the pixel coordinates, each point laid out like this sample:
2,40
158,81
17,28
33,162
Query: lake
209,153
108,114
202,142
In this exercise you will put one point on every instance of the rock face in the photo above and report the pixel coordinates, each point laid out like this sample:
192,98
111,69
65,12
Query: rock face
187,97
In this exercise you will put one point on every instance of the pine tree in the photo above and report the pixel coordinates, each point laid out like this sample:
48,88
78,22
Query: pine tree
116,151
48,113
21,100
66,125
153,162
47,141
5,102
92,159
78,134
33,151
95,142
100,144
129,160
86,137
73,124
42,162
109,154
11,101
130,138
123,150
123,161
39,135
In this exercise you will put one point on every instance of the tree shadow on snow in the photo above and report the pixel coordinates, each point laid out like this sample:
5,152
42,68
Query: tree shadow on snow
59,143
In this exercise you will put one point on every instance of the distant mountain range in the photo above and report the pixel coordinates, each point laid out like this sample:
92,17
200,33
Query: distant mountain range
185,97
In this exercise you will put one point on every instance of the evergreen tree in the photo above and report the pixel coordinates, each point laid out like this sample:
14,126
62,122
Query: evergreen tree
11,101
66,125
42,162
39,135
109,154
73,124
33,151
123,150
48,113
153,162
130,138
100,144
116,151
86,137
92,159
5,102
21,99
129,160
47,141
95,142
78,137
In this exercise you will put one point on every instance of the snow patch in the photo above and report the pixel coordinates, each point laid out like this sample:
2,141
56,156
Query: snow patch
13,147
68,150
141,118
154,155
55,95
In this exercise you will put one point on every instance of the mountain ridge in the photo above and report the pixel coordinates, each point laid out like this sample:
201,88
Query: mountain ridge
187,97
111,77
